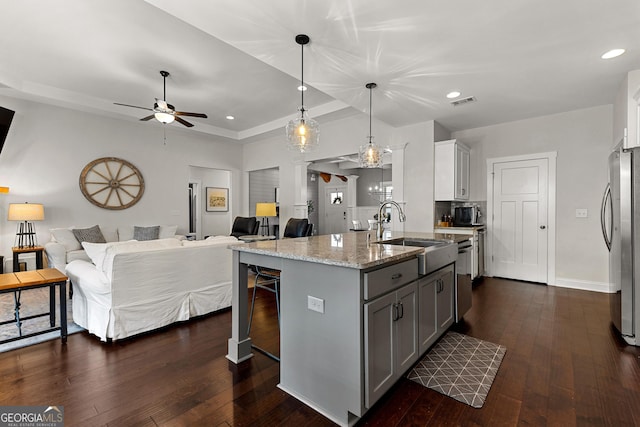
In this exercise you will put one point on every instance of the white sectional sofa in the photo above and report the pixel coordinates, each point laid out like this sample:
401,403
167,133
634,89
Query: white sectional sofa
133,287
64,247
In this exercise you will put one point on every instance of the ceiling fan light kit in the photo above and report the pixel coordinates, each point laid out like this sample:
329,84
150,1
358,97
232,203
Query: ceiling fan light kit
165,118
370,155
164,112
302,132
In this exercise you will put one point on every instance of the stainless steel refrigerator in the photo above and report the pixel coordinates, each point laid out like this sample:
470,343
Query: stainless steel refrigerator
620,220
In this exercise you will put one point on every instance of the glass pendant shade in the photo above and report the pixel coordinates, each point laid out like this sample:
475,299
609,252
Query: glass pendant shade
370,155
165,118
302,133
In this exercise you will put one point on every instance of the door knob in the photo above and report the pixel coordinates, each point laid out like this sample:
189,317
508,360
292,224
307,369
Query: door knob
542,227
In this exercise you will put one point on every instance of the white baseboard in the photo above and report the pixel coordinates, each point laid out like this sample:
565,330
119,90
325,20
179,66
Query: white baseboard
584,285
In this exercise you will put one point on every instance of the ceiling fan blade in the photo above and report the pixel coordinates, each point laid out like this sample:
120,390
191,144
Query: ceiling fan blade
183,113
134,106
183,121
144,119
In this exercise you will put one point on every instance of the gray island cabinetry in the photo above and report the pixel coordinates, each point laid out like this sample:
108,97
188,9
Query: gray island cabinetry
352,314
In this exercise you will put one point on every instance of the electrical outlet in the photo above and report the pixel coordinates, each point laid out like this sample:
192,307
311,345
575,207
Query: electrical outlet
315,304
581,213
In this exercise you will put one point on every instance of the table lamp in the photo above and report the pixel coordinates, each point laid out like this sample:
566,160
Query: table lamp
266,210
26,213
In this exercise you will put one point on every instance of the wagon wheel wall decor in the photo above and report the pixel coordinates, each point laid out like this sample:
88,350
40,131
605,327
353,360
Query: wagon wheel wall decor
111,183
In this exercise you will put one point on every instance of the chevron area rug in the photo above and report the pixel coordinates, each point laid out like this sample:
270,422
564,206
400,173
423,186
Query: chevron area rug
460,367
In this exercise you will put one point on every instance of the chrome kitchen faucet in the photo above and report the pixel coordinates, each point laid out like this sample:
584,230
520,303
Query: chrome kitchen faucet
401,215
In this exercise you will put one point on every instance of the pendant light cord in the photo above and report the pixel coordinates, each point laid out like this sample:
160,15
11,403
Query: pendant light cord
302,76
370,92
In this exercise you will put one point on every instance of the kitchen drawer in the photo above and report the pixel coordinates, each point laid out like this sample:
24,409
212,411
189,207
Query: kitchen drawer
386,279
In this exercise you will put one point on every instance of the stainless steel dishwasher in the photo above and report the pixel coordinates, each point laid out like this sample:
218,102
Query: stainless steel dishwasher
463,277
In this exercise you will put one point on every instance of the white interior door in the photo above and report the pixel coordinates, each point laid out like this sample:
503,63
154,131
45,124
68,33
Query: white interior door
520,219
335,203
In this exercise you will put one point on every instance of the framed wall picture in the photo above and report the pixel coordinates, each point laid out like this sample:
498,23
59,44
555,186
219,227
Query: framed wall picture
217,199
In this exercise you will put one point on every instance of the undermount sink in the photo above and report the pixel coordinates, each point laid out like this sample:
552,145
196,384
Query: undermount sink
437,253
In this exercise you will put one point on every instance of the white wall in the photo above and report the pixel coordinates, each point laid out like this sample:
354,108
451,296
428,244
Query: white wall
212,223
418,175
47,148
337,138
582,140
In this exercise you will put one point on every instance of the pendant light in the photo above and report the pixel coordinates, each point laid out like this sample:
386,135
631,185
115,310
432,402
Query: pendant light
302,132
370,155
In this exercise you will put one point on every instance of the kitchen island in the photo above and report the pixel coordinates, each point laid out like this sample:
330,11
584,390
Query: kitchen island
355,315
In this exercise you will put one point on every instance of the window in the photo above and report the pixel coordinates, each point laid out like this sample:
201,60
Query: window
335,198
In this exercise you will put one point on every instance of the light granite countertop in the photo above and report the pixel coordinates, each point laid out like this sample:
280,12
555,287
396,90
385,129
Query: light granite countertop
352,250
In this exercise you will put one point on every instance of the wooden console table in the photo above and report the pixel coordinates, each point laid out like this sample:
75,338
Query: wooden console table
20,281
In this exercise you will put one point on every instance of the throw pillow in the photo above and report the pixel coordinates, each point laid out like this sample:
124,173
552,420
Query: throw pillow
146,233
65,237
91,235
167,231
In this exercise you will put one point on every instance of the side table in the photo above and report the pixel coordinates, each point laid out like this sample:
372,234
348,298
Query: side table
38,250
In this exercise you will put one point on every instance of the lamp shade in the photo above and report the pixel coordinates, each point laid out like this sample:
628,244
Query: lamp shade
4,189
265,209
25,212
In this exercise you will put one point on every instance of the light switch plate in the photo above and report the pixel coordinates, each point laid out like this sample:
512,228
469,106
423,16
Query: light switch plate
581,213
315,304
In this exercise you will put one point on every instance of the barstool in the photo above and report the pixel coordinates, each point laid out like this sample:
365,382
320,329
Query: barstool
272,277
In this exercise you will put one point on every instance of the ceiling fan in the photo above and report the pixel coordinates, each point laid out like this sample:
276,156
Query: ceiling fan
164,112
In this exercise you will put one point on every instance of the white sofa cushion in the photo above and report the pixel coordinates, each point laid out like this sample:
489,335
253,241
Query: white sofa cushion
65,237
97,251
79,254
134,246
101,254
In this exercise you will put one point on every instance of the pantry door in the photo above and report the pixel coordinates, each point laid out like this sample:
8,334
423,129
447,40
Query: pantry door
519,222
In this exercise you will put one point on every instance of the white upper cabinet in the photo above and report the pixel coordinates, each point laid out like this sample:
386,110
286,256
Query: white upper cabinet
451,171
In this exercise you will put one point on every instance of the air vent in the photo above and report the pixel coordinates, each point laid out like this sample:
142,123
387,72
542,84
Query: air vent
463,101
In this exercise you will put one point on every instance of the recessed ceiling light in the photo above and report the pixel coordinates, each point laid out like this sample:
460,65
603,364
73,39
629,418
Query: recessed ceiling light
453,94
302,88
230,117
612,53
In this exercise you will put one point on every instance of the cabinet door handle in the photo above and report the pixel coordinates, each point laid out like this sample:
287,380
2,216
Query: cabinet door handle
395,312
396,276
401,310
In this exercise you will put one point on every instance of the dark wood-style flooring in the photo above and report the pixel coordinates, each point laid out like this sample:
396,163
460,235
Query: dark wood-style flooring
564,366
